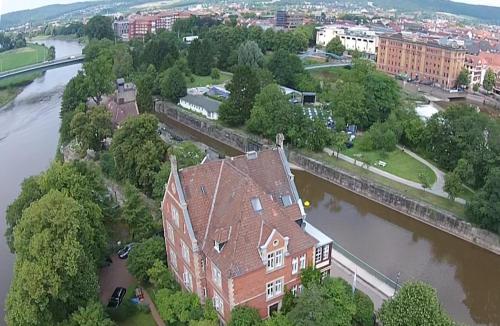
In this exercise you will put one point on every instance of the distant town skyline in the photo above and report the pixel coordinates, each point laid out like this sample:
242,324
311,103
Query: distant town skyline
7,6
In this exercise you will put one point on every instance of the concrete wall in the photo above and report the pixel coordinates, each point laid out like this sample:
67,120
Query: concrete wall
442,220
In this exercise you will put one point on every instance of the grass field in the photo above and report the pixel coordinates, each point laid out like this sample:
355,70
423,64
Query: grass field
200,81
421,195
16,58
123,317
331,74
398,163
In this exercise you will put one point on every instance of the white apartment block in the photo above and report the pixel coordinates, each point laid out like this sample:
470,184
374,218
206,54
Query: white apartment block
353,38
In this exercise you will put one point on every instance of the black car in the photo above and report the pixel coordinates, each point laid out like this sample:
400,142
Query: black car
123,253
117,297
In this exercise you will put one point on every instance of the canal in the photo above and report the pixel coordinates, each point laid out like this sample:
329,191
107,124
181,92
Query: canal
29,133
466,277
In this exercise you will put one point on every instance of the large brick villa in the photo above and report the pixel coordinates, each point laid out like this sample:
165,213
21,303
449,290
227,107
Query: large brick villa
235,231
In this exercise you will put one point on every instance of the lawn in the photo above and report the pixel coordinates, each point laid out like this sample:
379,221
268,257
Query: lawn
16,58
330,74
128,314
201,81
398,163
421,195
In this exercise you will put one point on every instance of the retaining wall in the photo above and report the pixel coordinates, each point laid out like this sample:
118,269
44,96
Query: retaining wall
386,196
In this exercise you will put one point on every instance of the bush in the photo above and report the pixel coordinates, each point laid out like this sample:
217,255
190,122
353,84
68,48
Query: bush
144,255
364,309
107,163
244,316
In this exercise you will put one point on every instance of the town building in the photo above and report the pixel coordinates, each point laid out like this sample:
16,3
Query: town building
120,27
421,60
288,20
353,38
140,25
477,69
201,104
236,231
122,104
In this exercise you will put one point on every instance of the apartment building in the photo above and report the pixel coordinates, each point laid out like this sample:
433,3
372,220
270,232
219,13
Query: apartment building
287,20
422,60
477,69
140,25
236,234
353,38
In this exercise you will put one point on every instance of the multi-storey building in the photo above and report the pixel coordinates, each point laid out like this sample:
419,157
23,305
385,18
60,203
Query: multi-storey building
477,69
140,25
120,27
421,60
235,231
287,20
353,38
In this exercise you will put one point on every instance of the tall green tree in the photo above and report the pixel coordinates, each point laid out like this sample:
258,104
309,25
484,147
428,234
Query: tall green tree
364,309
243,87
136,215
99,27
249,54
416,304
75,93
489,80
145,87
90,128
161,51
484,208
348,102
452,185
173,84
285,67
98,78
123,64
244,316
335,46
90,315
463,79
178,307
382,96
143,257
201,57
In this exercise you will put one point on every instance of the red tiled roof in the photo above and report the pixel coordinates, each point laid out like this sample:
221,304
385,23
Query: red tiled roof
120,112
218,196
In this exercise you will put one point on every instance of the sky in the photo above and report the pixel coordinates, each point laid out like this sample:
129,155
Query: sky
14,5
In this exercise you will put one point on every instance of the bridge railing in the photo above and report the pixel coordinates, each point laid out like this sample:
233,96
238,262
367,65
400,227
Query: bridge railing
40,65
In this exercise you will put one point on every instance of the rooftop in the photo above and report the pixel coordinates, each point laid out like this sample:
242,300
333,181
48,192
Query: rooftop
202,101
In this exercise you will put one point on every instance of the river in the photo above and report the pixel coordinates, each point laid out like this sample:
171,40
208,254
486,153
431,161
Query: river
29,133
466,277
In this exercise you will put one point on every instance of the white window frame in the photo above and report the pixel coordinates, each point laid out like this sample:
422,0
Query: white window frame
173,258
216,275
294,290
326,252
303,261
170,233
185,252
175,215
318,254
295,265
187,279
274,288
218,303
275,259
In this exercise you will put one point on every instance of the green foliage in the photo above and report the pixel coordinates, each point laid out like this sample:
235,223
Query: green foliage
335,46
364,309
123,64
146,83
90,315
143,257
98,78
348,102
178,307
463,78
244,316
288,302
161,277
161,50
476,87
215,74
160,181
484,208
339,140
414,304
452,185
329,303
107,164
140,151
243,87
201,57
187,154
99,27
382,96
424,180
75,93
137,215
90,128
310,276
173,84
489,80
249,54
285,68
278,319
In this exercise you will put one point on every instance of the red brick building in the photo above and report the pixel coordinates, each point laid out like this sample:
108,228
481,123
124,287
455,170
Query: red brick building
235,231
426,61
139,25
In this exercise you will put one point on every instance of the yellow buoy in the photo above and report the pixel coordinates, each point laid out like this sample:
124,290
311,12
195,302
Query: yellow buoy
307,203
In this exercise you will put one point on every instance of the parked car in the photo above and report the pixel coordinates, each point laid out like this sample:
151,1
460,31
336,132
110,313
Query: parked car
117,297
123,253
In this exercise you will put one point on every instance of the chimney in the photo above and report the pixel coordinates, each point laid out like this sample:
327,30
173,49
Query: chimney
173,163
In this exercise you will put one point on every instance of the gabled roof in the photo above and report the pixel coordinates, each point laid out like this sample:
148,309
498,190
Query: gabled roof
218,196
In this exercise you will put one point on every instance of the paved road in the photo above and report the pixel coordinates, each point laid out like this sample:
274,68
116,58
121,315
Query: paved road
436,189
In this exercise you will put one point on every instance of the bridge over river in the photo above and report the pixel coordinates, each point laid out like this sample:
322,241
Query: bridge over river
44,66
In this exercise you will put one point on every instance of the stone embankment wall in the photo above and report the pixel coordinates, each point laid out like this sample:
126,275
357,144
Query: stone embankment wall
391,198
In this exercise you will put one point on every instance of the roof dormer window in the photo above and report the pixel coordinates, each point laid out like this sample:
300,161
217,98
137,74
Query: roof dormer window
286,200
219,245
256,204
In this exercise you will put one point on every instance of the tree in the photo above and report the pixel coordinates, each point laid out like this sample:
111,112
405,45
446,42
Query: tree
424,180
476,87
348,102
98,78
416,303
285,67
99,27
173,84
161,277
278,319
55,266
484,208
335,46
339,141
382,96
463,79
90,315
452,185
178,307
136,214
160,181
187,154
364,309
90,128
143,257
244,86
201,58
161,50
75,93
244,316
249,54
215,74
145,86
51,53
310,276
140,151
489,80
123,64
